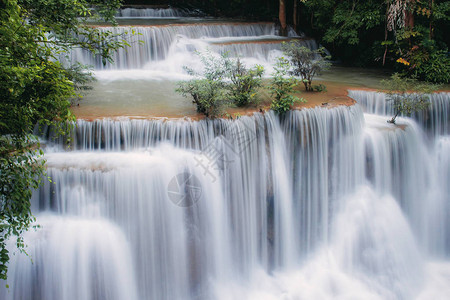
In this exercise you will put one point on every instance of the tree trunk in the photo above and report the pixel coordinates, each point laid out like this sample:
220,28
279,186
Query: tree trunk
282,17
409,16
409,22
392,121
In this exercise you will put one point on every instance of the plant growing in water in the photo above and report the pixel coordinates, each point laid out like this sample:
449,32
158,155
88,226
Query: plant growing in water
307,63
407,94
282,86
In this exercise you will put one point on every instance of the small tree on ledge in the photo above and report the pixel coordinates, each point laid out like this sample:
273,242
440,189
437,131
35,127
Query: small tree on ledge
407,94
306,63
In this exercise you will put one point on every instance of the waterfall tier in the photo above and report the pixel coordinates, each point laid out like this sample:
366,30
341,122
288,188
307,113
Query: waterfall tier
320,203
152,13
157,41
172,43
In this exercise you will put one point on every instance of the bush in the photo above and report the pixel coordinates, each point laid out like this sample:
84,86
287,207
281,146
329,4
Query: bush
244,83
282,86
207,94
208,88
307,63
222,82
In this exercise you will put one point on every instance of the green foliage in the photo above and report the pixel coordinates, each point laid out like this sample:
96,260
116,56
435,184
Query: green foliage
21,170
244,83
223,81
436,69
350,19
427,63
215,68
408,95
36,88
246,9
66,25
306,63
282,86
348,29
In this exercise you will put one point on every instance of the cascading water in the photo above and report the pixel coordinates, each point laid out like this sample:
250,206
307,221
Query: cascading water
332,199
83,257
168,48
157,41
152,13
420,187
317,204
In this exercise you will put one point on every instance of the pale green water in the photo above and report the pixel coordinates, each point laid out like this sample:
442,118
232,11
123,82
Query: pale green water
361,77
134,98
122,95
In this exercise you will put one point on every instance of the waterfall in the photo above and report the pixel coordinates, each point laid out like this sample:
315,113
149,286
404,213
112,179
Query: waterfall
417,185
74,258
165,49
152,13
157,41
320,203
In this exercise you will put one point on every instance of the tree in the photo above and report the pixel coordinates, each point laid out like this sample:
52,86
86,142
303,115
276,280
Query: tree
35,88
282,87
307,63
407,95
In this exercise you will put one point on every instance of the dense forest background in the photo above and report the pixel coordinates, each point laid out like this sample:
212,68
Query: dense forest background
409,36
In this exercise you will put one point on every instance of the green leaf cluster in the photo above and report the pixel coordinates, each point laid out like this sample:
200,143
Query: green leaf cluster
282,87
